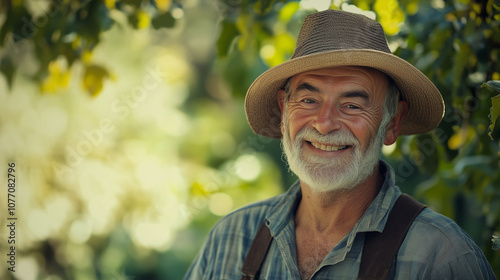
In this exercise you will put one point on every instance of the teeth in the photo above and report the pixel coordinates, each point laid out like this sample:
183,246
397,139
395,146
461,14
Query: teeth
328,148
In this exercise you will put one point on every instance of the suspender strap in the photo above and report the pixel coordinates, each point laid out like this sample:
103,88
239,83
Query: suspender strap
381,248
378,252
257,253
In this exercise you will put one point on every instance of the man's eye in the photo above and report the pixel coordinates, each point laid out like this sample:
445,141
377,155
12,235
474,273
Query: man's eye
309,101
350,106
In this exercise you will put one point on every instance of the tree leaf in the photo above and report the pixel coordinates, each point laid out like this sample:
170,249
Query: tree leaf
7,69
496,242
494,84
93,79
165,20
228,33
163,5
58,77
143,19
495,109
390,15
494,116
288,10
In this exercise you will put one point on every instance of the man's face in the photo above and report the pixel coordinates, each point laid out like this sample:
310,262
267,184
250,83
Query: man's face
331,134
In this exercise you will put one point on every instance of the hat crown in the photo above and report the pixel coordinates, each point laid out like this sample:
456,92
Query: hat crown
338,30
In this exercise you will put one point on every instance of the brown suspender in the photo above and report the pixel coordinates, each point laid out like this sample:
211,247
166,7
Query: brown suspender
257,253
378,252
381,247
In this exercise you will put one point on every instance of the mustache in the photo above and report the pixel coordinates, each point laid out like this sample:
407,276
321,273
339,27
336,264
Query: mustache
310,134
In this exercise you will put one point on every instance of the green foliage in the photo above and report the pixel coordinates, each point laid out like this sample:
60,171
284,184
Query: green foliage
495,109
456,46
496,242
68,30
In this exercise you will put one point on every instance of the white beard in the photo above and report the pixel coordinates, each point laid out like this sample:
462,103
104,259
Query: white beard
323,174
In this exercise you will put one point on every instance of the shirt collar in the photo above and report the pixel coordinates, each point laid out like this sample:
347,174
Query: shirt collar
376,215
284,211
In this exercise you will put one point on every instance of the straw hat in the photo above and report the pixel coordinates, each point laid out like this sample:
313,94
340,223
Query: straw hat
337,38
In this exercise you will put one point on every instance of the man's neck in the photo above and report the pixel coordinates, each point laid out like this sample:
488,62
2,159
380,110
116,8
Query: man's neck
322,220
336,213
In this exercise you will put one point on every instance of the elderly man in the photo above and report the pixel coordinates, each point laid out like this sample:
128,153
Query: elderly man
341,97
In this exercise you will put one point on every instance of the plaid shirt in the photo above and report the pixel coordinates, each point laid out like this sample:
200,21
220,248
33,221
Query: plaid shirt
434,248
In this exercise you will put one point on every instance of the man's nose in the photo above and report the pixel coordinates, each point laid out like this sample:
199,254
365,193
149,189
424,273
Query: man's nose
327,119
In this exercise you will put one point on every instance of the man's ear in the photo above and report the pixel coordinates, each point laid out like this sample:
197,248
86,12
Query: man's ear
394,125
281,103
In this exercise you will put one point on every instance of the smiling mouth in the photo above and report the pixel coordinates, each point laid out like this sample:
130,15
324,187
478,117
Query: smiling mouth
328,148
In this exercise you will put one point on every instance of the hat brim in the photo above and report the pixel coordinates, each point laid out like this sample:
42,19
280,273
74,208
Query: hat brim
426,105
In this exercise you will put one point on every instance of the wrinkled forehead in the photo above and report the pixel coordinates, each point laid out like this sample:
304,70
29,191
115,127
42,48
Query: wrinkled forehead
365,74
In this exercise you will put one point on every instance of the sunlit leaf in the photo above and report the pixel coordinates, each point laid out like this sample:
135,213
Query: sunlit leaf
226,37
77,42
412,7
390,15
280,50
57,78
198,190
494,116
363,4
143,19
93,79
288,11
460,137
110,4
242,24
163,5
86,57
494,84
139,19
495,108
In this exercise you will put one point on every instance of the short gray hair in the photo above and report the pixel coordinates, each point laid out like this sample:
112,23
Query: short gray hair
392,98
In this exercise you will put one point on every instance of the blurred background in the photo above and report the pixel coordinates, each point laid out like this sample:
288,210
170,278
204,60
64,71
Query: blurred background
125,121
